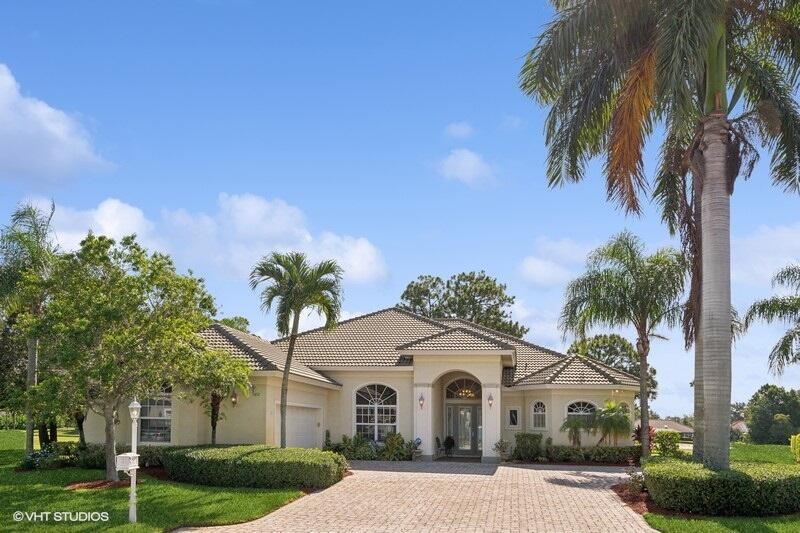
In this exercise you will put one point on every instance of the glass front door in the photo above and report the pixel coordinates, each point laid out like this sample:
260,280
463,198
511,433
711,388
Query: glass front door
468,429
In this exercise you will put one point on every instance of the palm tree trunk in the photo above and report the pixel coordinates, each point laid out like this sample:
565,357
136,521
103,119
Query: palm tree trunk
286,368
111,449
643,347
715,317
697,283
30,381
699,399
216,399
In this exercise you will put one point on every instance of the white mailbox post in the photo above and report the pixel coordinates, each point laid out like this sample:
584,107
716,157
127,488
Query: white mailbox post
129,462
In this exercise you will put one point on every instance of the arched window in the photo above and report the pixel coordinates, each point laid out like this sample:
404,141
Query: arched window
376,412
463,389
584,410
539,413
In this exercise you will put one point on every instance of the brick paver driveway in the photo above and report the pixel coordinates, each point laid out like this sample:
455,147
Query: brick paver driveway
459,497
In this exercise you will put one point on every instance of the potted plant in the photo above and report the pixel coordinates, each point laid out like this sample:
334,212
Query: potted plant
503,449
449,444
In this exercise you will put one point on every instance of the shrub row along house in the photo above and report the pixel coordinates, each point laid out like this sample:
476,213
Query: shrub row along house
392,371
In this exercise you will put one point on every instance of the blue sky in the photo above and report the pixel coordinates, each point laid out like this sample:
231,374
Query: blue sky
391,137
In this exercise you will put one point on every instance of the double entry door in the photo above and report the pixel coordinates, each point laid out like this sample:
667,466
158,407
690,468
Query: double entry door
467,427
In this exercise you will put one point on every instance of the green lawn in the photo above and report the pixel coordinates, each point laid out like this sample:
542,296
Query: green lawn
740,452
163,505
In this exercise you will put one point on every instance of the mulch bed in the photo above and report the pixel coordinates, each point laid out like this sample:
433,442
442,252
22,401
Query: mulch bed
641,503
154,472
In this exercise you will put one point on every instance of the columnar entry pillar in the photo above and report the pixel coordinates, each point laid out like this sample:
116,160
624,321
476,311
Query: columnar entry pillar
423,418
492,421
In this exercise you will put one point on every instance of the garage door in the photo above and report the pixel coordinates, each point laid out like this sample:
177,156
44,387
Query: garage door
302,426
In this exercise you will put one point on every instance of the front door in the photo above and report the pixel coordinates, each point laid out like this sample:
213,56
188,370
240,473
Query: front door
468,430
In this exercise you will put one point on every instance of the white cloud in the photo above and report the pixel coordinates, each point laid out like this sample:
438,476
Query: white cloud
459,130
113,218
552,261
543,271
467,167
756,257
245,227
38,141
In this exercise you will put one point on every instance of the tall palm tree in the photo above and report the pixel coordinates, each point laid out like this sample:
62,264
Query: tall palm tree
610,70
782,309
27,252
293,285
624,287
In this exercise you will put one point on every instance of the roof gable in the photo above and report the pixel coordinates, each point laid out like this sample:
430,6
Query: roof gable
258,353
577,370
456,339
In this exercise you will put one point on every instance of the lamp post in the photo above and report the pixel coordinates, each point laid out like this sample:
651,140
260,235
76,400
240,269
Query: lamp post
134,408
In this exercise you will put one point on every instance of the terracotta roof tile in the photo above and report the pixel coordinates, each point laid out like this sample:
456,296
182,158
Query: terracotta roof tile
456,339
257,352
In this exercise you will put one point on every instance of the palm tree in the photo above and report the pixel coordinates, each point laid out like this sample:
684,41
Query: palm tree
611,70
27,253
573,426
624,287
612,421
784,309
292,285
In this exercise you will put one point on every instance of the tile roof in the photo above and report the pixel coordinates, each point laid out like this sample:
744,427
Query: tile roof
380,338
456,339
366,340
258,353
577,370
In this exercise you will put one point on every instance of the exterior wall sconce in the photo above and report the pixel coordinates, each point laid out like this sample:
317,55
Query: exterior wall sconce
234,398
421,401
490,399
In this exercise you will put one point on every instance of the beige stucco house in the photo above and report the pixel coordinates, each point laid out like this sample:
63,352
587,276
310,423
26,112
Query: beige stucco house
391,371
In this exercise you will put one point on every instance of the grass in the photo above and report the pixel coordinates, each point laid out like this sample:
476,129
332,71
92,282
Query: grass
744,453
163,505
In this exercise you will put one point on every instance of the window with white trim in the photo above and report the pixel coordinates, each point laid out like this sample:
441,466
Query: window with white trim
538,416
582,410
155,419
513,415
376,412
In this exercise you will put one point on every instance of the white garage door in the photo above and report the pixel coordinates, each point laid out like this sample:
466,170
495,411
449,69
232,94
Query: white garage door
302,426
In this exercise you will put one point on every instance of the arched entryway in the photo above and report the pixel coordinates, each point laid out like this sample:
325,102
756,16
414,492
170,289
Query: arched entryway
463,415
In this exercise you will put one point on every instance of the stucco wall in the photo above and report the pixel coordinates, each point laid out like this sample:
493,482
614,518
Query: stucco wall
340,404
556,401
250,421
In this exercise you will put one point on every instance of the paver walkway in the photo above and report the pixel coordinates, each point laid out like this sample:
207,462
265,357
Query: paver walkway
459,497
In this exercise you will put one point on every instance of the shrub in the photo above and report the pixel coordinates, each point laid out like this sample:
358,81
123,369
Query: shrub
355,449
94,455
44,459
502,447
395,448
637,435
747,489
565,454
528,446
11,421
666,442
255,466
794,444
619,455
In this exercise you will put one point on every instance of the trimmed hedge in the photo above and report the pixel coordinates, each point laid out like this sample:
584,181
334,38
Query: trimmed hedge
747,489
94,455
666,442
255,466
620,455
